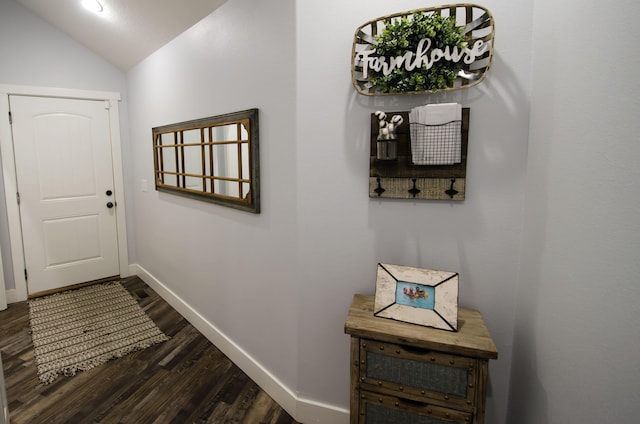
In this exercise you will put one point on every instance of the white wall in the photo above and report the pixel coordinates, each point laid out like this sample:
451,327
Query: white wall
237,269
320,237
577,339
34,53
343,234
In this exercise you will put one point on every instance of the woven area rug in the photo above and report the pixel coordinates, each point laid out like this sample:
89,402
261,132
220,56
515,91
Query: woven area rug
80,329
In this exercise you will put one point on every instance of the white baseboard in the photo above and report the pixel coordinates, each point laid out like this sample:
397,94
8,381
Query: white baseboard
302,410
309,411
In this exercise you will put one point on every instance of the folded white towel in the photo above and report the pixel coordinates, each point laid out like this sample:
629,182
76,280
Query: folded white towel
443,113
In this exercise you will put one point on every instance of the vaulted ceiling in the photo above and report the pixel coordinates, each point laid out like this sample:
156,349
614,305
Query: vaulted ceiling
126,31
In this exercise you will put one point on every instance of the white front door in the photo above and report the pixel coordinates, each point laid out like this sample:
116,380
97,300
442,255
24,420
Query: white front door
65,182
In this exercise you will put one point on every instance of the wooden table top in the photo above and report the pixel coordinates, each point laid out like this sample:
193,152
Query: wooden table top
472,338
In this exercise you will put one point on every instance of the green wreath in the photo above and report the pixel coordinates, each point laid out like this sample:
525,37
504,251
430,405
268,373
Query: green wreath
402,35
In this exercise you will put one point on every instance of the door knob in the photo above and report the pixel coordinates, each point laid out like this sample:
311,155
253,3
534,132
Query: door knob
109,205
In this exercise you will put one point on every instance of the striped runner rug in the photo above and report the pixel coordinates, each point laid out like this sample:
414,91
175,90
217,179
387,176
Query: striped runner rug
77,330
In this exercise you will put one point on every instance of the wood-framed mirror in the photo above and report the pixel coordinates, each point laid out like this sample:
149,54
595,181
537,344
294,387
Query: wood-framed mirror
215,159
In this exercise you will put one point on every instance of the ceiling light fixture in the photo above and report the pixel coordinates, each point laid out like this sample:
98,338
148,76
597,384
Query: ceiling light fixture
93,5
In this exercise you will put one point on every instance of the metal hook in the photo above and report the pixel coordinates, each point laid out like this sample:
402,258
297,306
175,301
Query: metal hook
414,191
451,191
379,190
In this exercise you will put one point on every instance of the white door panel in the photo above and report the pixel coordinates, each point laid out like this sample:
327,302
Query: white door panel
64,173
64,139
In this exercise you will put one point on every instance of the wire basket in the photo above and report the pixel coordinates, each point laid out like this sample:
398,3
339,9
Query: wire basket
436,144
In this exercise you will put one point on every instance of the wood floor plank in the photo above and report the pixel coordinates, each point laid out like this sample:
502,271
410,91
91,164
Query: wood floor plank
183,380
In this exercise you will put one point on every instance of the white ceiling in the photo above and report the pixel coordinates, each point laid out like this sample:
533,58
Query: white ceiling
128,30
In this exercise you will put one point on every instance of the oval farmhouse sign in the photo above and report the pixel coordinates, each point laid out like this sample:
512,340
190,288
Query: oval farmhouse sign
423,51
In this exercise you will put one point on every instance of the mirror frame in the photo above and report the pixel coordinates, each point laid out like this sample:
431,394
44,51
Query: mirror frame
249,120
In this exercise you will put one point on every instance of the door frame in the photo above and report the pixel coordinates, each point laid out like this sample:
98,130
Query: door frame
3,305
111,100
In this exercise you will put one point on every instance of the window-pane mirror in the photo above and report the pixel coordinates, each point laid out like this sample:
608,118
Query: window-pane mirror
213,159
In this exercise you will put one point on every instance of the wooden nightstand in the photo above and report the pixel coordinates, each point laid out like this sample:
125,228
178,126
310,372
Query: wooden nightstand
406,373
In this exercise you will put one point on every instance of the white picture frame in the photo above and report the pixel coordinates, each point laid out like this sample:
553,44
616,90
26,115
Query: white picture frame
416,295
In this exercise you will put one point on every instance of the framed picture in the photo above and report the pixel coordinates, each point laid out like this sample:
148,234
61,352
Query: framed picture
419,296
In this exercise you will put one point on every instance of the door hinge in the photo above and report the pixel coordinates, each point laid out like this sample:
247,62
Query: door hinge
107,104
18,197
25,273
10,119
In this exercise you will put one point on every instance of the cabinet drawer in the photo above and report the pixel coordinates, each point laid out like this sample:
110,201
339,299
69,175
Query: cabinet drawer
377,408
419,374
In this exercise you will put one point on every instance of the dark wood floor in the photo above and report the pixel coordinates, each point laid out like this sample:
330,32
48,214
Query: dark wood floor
183,380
